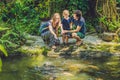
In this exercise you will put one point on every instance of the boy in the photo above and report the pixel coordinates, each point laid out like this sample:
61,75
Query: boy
66,22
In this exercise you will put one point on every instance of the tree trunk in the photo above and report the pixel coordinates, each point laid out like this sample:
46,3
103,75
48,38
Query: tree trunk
107,9
92,9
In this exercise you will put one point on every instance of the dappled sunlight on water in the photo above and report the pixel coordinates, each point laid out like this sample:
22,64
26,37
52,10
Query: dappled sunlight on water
46,68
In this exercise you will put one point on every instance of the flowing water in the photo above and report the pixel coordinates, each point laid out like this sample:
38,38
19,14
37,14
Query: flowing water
61,68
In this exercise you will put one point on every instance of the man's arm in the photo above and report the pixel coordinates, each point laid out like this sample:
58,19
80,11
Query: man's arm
72,31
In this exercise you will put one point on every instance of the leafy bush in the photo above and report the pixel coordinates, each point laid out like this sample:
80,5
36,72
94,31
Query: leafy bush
60,5
21,14
118,1
17,18
3,50
79,4
112,25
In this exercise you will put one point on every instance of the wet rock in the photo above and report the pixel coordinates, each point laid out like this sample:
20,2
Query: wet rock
118,32
52,78
75,67
92,70
30,50
92,39
108,36
93,67
67,74
48,69
53,54
94,54
29,42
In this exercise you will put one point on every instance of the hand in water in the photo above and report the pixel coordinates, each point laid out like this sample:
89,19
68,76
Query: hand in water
62,32
55,37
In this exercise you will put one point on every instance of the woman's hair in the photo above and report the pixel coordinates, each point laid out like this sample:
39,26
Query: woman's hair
54,18
78,14
65,12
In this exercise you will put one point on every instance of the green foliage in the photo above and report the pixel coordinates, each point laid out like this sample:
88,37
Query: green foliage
78,4
21,14
2,29
0,65
43,8
3,50
118,1
112,25
11,38
60,5
17,18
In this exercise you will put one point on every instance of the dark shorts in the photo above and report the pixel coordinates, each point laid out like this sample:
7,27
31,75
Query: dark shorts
81,35
68,34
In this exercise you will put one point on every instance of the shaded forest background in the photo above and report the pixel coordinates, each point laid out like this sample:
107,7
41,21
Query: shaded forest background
18,17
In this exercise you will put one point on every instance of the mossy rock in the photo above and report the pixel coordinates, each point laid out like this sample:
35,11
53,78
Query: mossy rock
33,50
108,36
29,42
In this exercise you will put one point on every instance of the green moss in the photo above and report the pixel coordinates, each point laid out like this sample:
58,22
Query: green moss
33,51
114,47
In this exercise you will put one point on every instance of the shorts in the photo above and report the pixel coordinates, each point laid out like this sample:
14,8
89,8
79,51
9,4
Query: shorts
81,35
68,34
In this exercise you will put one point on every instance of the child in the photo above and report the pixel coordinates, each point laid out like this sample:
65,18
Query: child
66,22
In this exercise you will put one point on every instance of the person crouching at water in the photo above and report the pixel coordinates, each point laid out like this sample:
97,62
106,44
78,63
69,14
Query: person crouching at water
49,31
79,22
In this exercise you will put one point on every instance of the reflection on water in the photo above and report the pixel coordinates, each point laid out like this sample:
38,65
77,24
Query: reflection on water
75,68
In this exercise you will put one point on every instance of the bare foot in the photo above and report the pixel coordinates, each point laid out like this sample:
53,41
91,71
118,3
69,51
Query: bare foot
54,47
78,43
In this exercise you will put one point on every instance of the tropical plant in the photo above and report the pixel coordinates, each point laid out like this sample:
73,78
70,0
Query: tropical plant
21,14
112,26
60,5
3,50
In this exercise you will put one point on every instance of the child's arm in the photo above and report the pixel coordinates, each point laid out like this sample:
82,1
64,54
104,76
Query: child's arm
72,31
71,25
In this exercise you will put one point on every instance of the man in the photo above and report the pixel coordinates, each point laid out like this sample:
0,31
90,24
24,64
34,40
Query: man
79,22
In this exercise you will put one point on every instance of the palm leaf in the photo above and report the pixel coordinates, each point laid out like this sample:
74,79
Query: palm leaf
3,29
3,50
0,65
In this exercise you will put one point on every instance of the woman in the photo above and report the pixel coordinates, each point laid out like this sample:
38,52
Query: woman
49,30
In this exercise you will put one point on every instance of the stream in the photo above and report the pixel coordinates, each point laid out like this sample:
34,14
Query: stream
65,67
